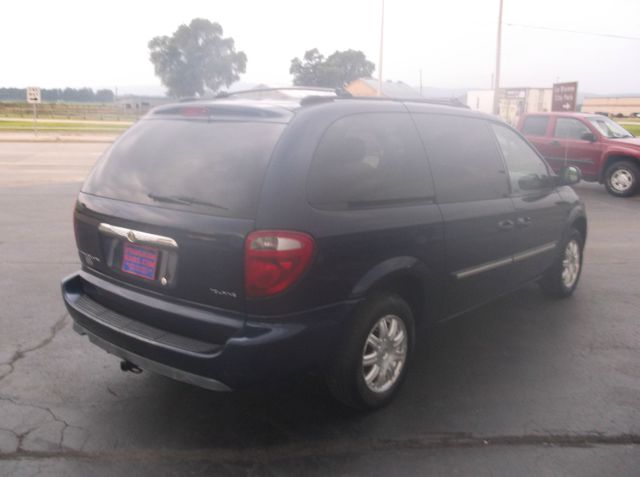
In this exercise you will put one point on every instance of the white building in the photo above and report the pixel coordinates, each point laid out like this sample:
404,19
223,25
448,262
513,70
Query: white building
513,101
481,100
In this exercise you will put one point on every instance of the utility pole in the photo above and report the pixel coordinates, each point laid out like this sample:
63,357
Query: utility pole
381,48
496,86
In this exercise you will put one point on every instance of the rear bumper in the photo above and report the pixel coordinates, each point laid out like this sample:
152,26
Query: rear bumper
259,350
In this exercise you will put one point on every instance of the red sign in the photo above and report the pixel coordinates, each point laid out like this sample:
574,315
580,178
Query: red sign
565,96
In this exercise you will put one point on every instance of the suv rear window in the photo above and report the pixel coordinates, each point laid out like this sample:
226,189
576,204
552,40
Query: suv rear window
535,125
214,167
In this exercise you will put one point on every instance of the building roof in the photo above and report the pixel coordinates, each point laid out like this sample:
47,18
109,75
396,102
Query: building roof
393,89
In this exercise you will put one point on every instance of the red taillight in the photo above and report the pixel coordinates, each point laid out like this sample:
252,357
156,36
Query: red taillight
273,260
194,111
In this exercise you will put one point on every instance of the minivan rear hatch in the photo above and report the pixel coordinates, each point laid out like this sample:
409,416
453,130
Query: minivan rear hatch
168,206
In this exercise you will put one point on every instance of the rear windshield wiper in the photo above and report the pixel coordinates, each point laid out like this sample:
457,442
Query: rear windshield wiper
178,199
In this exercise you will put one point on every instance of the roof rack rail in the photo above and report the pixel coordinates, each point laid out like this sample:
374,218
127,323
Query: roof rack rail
339,92
226,94
441,101
454,102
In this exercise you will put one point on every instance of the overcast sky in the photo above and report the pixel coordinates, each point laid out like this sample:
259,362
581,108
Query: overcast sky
104,44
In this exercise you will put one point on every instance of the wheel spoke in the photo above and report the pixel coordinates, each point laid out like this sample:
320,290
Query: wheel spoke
369,359
398,340
374,341
373,373
384,328
393,329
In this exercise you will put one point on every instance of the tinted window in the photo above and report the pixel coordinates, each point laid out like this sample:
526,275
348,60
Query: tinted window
526,169
569,128
535,125
212,167
369,160
465,160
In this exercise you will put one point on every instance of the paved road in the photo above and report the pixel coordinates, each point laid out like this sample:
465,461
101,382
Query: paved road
46,119
71,136
524,386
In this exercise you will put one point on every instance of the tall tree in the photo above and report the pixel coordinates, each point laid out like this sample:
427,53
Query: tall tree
104,96
337,70
196,59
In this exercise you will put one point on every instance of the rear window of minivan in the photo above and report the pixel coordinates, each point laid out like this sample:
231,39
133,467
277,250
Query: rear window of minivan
214,167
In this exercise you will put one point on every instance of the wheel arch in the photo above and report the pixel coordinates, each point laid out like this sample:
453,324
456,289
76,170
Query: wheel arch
616,157
580,224
578,220
404,276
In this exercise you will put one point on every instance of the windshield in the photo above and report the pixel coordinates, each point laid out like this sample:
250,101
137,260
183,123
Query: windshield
204,166
609,128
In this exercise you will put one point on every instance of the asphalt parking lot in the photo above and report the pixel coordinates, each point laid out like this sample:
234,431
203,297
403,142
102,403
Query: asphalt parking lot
524,386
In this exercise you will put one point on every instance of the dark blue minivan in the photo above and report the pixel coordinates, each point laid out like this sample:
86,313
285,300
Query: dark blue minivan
234,241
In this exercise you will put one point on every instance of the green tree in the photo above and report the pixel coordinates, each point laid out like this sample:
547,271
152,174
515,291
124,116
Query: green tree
104,96
196,59
336,71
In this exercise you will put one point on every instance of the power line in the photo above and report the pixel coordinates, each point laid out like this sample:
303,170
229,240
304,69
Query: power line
610,35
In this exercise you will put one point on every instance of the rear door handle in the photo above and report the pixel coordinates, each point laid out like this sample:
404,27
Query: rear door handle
555,143
523,222
506,224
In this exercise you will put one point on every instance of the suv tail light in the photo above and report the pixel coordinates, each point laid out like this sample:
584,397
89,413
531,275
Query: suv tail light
274,260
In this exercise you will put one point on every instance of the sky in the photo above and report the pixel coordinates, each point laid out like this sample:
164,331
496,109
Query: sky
104,43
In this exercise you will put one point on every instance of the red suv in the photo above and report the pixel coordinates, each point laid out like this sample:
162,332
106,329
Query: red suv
600,147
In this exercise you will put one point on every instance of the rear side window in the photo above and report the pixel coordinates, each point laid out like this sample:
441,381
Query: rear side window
569,128
535,125
369,160
203,166
465,161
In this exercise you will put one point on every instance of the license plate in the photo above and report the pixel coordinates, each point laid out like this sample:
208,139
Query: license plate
140,261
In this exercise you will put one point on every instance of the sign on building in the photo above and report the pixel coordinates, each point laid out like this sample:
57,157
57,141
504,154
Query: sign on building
565,96
33,95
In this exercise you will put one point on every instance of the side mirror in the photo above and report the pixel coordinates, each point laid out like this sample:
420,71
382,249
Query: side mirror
588,136
570,175
530,182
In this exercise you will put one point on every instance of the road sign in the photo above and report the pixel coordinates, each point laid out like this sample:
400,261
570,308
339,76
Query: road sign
565,96
33,95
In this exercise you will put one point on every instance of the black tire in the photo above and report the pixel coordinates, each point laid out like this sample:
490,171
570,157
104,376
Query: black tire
553,283
627,171
345,378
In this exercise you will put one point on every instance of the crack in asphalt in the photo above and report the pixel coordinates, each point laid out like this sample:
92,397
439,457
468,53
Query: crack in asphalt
337,448
54,418
21,353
